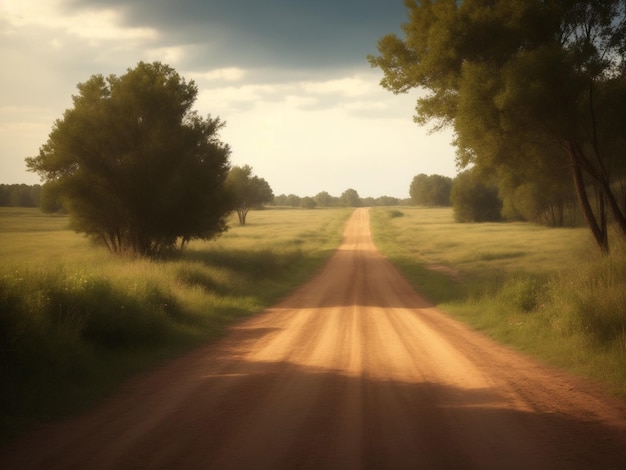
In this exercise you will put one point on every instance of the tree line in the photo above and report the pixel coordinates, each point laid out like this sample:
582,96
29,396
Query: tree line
534,91
349,198
475,198
250,192
20,195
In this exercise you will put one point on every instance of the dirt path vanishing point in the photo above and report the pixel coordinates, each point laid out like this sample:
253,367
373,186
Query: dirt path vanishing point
352,371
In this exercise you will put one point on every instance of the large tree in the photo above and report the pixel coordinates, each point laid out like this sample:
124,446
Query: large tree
473,200
248,190
523,82
430,190
350,198
135,166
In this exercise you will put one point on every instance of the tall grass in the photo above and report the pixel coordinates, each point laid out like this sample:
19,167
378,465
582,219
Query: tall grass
545,291
74,320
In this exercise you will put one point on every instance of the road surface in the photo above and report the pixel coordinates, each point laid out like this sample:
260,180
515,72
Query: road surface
353,371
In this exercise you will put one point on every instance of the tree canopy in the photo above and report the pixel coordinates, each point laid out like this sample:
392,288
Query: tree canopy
135,166
430,190
533,88
474,200
248,190
350,198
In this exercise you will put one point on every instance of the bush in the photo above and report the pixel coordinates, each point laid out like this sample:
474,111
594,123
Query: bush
594,298
474,200
521,293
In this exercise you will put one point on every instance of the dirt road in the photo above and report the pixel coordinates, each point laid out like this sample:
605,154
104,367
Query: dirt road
354,370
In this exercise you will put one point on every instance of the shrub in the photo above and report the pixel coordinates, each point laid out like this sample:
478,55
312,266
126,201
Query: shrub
474,200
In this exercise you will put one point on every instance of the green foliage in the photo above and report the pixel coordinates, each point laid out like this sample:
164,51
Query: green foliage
134,165
19,195
308,203
248,190
539,102
473,200
50,199
593,298
323,199
74,322
350,198
521,293
540,193
433,190
532,287
385,201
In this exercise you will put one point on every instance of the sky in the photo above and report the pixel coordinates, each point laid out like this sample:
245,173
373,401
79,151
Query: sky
291,79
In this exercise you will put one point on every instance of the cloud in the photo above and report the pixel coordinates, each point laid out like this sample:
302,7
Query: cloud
289,77
347,86
230,74
288,34
90,24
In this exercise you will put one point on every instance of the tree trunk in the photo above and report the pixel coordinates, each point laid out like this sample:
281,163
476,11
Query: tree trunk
618,214
598,230
242,212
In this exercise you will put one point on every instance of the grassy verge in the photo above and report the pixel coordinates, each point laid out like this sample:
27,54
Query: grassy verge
75,321
544,291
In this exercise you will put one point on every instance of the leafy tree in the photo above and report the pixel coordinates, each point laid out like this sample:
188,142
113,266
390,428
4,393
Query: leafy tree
545,198
280,200
385,201
293,200
50,199
433,190
323,199
249,191
308,203
135,166
473,200
19,195
350,198
522,83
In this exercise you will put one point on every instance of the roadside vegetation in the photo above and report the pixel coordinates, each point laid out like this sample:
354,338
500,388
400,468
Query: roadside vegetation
545,291
533,114
75,321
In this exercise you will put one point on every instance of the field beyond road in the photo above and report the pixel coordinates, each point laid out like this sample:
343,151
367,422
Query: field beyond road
353,370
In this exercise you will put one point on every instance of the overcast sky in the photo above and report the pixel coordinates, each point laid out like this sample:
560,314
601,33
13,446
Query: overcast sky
289,77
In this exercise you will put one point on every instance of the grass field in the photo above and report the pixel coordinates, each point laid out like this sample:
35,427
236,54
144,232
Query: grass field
75,321
545,291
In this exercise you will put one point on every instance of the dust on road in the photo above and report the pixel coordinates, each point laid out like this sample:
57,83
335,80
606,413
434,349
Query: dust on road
354,370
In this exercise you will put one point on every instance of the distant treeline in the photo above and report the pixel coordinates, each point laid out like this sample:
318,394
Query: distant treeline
23,195
349,198
20,195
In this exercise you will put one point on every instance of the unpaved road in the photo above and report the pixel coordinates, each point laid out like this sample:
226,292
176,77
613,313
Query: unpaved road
354,370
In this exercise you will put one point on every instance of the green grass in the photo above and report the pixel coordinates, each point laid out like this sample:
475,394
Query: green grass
75,320
545,291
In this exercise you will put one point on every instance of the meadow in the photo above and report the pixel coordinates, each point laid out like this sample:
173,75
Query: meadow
75,321
545,291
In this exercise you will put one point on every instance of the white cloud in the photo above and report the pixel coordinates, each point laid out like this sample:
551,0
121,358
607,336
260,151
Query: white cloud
348,86
169,55
226,100
93,25
231,74
303,129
